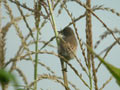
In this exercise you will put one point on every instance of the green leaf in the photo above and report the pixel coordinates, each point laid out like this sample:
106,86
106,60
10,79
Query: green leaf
112,69
6,77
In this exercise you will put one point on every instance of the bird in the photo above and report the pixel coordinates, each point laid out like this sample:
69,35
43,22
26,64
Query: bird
67,46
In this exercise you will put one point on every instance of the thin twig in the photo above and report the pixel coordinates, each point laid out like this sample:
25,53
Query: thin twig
108,50
27,25
70,15
79,2
106,83
22,75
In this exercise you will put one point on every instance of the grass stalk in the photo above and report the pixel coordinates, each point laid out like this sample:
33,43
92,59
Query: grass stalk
89,40
57,40
53,22
37,20
36,60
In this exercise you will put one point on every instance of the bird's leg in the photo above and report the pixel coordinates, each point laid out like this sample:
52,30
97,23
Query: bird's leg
65,66
64,74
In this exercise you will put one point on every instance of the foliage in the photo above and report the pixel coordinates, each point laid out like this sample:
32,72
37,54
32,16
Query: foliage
30,21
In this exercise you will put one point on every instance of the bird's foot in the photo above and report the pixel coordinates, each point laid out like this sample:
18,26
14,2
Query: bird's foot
64,69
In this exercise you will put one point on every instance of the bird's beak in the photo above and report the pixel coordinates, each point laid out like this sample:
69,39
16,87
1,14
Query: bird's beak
60,34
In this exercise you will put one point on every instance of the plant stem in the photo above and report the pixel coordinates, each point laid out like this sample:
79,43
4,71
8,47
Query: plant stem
89,39
90,79
57,40
37,20
53,21
36,60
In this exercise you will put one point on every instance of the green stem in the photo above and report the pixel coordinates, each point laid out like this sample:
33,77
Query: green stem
36,60
37,19
89,40
90,79
57,40
53,21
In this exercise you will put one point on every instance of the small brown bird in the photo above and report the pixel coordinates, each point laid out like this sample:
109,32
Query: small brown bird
67,45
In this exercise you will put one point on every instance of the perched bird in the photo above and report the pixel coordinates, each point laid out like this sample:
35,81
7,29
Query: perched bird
67,45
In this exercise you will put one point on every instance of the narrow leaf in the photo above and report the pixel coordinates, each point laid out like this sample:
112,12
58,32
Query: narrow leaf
112,69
